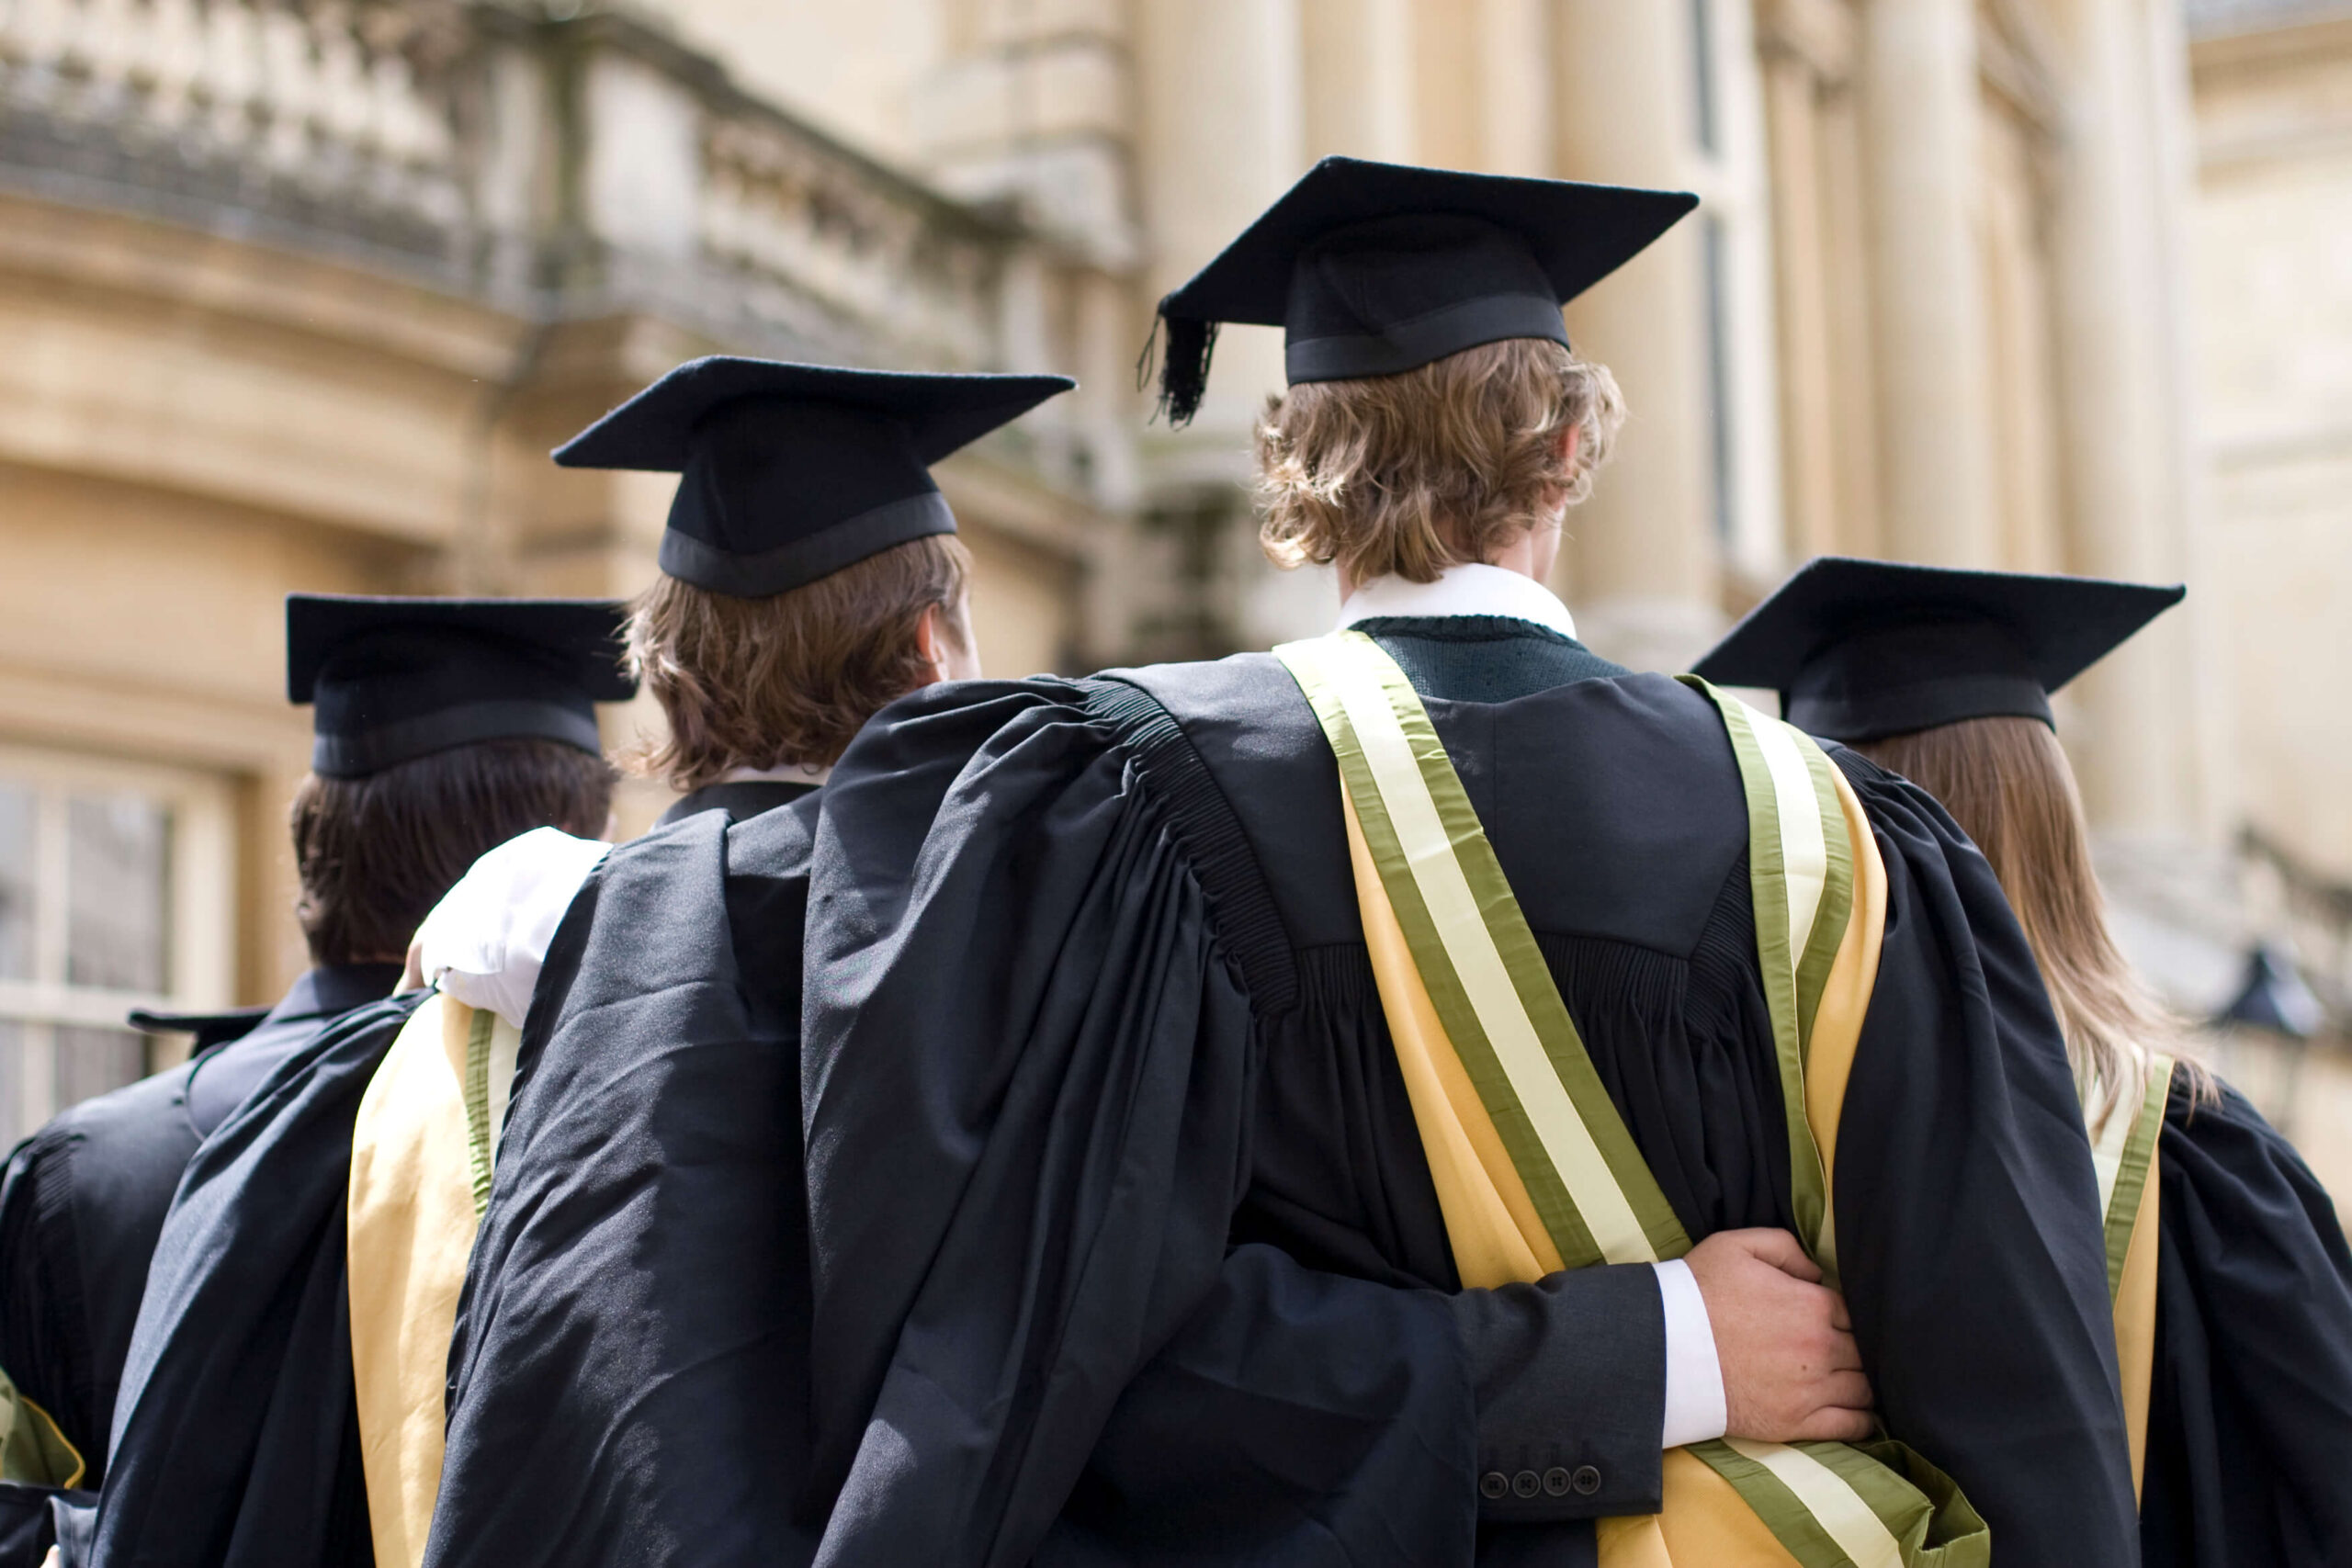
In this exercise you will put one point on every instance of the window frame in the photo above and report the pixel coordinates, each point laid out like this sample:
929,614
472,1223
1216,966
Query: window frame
201,915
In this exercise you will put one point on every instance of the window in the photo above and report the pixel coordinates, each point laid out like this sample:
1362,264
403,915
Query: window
114,893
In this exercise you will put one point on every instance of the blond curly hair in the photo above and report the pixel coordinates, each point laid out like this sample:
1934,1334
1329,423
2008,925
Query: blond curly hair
1407,475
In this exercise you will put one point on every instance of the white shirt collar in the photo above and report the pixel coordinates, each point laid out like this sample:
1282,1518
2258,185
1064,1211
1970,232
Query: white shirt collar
1467,589
789,772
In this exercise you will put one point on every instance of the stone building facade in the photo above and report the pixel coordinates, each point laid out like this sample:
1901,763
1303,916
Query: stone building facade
295,296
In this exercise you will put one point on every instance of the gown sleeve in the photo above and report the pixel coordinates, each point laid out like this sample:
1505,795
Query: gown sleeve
236,1436
628,1372
2251,1414
1967,1218
1027,1076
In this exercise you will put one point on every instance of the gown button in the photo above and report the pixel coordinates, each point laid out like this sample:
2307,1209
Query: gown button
1586,1481
1494,1486
1527,1484
1556,1483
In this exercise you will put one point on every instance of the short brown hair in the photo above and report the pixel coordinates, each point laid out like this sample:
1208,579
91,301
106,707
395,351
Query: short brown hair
1407,475
376,854
2007,783
792,677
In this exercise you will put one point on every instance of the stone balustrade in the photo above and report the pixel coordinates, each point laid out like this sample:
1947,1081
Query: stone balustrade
327,115
557,160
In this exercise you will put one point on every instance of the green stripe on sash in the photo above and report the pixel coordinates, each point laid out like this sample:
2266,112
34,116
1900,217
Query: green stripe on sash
480,1136
2132,1166
1832,1505
1800,870
1478,960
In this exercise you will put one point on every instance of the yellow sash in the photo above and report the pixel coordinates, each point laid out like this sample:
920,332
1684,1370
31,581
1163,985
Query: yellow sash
1534,1171
2126,1159
33,1452
421,1159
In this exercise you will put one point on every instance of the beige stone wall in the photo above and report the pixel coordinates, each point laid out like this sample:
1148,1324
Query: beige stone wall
2273,252
1939,303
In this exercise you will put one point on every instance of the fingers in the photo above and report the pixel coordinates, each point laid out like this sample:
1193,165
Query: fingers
1779,1249
1837,1318
1846,1390
1832,1425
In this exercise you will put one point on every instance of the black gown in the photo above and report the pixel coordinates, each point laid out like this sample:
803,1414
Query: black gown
237,1436
632,1329
630,1375
1087,998
85,1198
2250,1411
241,1438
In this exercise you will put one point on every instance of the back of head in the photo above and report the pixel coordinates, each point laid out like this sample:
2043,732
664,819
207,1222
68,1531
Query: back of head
2006,782
790,677
376,852
1408,474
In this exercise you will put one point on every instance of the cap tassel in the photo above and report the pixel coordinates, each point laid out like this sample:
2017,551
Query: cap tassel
1185,371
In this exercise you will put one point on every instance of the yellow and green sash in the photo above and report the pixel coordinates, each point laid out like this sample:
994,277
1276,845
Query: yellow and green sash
33,1452
422,1154
1534,1169
2125,1157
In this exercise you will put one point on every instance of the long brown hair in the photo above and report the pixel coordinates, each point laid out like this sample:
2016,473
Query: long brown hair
2007,783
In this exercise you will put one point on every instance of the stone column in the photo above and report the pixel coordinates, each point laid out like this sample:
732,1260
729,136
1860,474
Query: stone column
2126,446
1222,135
1921,103
1358,65
1801,288
1515,86
1643,562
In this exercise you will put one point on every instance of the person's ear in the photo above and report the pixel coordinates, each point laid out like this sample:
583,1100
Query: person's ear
931,642
1556,500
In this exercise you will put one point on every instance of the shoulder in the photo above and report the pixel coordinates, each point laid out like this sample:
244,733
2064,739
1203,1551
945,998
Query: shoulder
2221,1141
136,1117
126,1146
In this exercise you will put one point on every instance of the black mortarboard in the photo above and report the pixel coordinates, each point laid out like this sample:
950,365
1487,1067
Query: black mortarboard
392,679
1374,269
1859,649
792,472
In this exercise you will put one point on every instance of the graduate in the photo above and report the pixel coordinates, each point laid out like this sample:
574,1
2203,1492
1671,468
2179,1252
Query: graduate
2232,1281
1437,953
631,1376
443,728
628,1370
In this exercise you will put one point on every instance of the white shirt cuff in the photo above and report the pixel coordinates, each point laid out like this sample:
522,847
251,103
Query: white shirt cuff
1694,1379
485,943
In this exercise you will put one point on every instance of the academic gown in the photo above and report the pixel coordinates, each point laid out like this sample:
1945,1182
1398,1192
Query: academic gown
630,1345
84,1200
1087,998
236,1435
2250,1411
630,1375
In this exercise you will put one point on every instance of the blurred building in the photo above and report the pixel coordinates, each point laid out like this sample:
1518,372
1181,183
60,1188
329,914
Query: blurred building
297,296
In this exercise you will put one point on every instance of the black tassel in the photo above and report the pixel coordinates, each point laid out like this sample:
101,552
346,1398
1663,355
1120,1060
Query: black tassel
1185,371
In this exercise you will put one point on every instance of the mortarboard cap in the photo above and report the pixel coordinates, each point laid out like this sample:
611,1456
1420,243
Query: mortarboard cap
1860,650
1375,269
392,679
791,472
